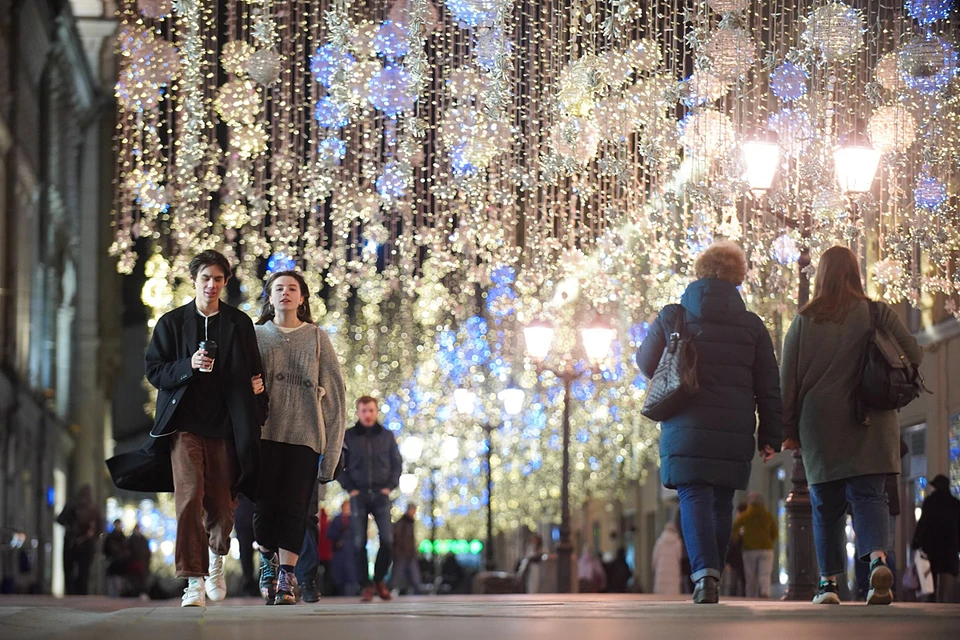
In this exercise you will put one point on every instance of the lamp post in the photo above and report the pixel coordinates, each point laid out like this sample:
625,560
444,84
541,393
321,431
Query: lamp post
596,341
465,400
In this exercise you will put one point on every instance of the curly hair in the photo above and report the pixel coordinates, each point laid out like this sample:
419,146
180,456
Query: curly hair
722,260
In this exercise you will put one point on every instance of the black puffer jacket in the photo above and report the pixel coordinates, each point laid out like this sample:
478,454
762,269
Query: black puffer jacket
372,459
712,440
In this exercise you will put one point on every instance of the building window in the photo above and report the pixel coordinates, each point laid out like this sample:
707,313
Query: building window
955,454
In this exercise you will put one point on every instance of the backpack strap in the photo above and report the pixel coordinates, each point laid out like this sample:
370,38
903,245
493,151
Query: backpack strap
874,308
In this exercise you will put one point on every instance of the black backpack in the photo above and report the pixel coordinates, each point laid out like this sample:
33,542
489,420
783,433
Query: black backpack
888,380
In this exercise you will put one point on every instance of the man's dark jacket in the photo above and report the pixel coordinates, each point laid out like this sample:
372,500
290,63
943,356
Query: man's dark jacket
712,439
404,538
372,460
168,368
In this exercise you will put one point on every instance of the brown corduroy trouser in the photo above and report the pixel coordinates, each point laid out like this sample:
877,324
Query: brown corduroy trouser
204,470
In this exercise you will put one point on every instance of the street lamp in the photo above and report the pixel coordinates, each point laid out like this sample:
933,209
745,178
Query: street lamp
597,338
512,398
856,167
762,160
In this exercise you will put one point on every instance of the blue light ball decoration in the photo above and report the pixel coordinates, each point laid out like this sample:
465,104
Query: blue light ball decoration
391,40
929,193
501,301
459,163
789,82
328,61
389,91
333,149
476,327
927,64
927,12
329,114
503,275
640,382
392,183
638,333
583,389
583,435
473,13
280,262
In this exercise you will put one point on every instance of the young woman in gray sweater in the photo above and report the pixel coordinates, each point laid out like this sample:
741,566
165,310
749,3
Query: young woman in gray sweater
847,462
303,436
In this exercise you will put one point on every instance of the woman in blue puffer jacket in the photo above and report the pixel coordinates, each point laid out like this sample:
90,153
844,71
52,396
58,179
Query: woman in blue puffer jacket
707,449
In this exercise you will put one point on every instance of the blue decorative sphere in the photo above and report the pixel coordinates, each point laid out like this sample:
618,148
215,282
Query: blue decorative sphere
789,82
929,11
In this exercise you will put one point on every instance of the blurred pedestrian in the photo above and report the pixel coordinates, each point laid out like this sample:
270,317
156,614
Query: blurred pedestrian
406,564
706,449
592,577
83,521
667,556
344,552
308,564
531,564
938,536
139,567
757,529
371,472
846,461
303,434
733,572
618,573
243,523
324,555
116,554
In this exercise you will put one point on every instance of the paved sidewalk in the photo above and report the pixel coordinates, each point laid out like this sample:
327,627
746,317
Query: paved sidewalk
548,617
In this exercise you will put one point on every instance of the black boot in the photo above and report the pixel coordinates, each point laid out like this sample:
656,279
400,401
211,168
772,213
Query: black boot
706,591
309,591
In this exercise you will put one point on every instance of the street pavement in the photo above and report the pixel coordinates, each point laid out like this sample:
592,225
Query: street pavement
547,617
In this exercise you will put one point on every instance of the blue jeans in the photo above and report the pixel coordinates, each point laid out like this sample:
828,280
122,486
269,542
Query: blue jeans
378,505
706,515
309,561
864,496
863,567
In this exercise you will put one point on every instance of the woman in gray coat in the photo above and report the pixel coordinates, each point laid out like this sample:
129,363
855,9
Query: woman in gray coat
846,461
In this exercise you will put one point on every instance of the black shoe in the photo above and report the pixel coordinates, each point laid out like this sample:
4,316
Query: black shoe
269,568
827,593
309,592
881,583
706,591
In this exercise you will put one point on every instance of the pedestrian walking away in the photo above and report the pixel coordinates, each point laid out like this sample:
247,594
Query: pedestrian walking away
756,529
371,472
303,435
667,558
707,447
345,576
116,554
847,458
205,442
406,563
82,520
938,536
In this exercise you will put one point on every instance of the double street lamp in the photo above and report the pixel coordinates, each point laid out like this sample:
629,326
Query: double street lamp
597,339
466,402
855,167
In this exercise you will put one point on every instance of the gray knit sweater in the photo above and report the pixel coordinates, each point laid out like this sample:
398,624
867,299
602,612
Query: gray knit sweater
307,396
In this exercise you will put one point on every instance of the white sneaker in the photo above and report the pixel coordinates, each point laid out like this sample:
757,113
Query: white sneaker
193,595
216,580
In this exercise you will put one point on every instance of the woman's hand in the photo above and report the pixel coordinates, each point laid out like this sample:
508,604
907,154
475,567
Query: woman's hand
767,452
257,382
791,445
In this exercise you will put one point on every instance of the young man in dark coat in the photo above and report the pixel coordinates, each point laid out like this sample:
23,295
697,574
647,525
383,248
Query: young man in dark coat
707,448
371,471
207,427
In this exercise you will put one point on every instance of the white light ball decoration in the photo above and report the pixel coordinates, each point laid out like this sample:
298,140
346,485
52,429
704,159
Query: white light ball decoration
888,271
391,40
649,98
927,65
619,67
249,141
234,56
707,134
892,129
728,6
389,91
233,215
785,250
487,45
836,30
359,77
615,118
731,52
264,67
794,130
392,183
400,12
134,92
579,84
156,9
465,83
887,74
645,55
703,87
237,102
829,204
577,138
